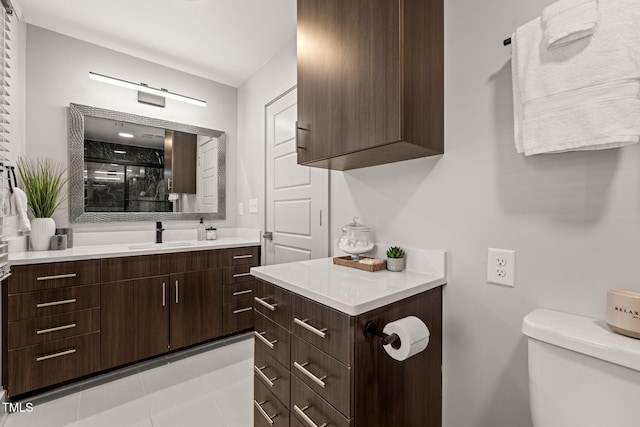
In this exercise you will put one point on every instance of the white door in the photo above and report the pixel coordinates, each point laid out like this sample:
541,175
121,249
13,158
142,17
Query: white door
208,191
296,196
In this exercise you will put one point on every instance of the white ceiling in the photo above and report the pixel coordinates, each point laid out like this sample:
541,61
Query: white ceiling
221,40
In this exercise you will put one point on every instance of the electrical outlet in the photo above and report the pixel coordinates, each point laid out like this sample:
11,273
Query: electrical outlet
501,267
253,205
240,208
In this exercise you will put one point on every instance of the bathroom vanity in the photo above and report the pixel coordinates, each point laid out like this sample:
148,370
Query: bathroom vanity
315,366
68,314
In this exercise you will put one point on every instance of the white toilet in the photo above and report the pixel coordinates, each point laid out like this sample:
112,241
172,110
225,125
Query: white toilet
581,374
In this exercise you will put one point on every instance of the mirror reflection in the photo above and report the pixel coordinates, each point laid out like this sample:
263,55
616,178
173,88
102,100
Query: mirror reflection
138,168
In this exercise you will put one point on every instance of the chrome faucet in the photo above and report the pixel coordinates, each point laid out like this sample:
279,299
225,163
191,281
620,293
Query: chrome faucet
159,231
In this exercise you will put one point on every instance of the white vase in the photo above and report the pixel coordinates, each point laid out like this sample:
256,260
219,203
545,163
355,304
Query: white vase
42,229
395,264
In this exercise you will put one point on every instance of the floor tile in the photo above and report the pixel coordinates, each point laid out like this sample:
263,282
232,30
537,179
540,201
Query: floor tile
199,412
55,413
235,402
110,395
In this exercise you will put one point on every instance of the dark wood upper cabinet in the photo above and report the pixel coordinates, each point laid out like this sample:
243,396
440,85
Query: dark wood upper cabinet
180,152
370,81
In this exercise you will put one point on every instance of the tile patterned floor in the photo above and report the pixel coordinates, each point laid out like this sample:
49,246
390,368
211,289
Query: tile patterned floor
210,385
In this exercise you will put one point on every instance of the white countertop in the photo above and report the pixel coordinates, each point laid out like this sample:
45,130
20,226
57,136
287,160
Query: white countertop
126,249
346,289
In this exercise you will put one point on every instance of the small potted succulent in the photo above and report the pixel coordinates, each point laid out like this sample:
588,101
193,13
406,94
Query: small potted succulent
395,258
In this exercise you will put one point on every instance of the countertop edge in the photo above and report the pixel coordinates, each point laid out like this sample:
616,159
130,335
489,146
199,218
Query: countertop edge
352,310
113,251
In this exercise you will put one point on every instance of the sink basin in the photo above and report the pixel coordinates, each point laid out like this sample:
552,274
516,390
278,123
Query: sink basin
165,245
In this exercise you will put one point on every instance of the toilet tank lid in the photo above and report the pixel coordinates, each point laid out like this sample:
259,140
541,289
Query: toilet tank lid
583,335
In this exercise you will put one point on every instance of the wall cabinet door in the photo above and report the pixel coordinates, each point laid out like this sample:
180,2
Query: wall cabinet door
134,320
196,307
180,158
370,81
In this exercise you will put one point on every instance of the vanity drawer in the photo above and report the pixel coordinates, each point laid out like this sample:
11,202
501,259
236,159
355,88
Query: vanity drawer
29,278
273,302
326,328
240,256
310,408
238,292
237,274
273,375
132,267
50,328
268,411
37,366
325,375
272,338
237,316
179,262
46,303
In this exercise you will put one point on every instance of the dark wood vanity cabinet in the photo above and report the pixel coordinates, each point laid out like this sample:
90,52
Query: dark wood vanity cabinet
314,365
370,82
180,161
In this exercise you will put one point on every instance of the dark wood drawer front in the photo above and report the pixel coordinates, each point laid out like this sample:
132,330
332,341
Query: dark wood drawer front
268,411
29,278
237,316
238,256
305,403
294,422
325,375
239,292
237,274
180,262
272,338
273,375
273,302
34,367
324,327
44,329
46,303
115,269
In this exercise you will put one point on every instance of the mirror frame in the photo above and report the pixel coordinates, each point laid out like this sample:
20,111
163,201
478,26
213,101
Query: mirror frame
77,113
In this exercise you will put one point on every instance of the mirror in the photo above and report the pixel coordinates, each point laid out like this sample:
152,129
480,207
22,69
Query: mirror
125,167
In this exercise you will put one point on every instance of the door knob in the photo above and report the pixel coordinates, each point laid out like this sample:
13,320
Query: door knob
268,235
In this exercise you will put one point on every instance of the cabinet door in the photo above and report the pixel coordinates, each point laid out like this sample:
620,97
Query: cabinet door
134,320
348,76
180,150
196,307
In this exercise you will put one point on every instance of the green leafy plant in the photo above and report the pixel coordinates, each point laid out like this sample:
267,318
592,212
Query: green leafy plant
43,181
395,252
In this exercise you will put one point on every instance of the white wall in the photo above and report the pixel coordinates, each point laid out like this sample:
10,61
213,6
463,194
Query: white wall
58,74
271,81
574,218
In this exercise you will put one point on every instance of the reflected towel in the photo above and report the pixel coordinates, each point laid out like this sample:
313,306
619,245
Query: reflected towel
19,207
585,96
566,21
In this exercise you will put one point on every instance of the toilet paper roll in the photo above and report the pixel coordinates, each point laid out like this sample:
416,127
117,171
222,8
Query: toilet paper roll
414,337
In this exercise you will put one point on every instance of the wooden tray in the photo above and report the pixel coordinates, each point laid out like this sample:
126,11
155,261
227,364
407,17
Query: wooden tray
346,261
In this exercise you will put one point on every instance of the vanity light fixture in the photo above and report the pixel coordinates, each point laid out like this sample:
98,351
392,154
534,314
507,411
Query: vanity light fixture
125,135
141,87
119,151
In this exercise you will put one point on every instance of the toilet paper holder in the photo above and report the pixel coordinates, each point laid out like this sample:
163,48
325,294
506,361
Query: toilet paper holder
371,330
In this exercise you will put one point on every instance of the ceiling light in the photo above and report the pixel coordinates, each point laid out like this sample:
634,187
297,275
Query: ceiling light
146,89
119,152
125,135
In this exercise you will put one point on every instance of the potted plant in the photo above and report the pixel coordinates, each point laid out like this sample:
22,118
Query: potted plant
43,181
395,258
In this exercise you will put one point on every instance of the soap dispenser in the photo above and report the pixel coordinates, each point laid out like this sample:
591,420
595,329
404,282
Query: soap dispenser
202,232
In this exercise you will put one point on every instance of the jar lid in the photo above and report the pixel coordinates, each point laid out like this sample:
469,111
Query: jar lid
355,226
211,229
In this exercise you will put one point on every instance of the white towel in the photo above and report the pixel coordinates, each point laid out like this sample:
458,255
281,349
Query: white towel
173,197
585,96
19,207
566,21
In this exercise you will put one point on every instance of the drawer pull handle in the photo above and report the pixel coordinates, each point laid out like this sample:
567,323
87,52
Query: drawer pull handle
242,310
164,294
61,302
177,291
262,411
306,417
57,328
242,256
51,356
301,368
241,275
261,374
308,327
248,291
266,342
59,276
262,302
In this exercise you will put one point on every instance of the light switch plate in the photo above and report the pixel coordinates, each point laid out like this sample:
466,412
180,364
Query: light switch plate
240,208
501,267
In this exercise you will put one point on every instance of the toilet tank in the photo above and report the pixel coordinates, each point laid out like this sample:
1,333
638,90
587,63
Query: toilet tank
581,374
